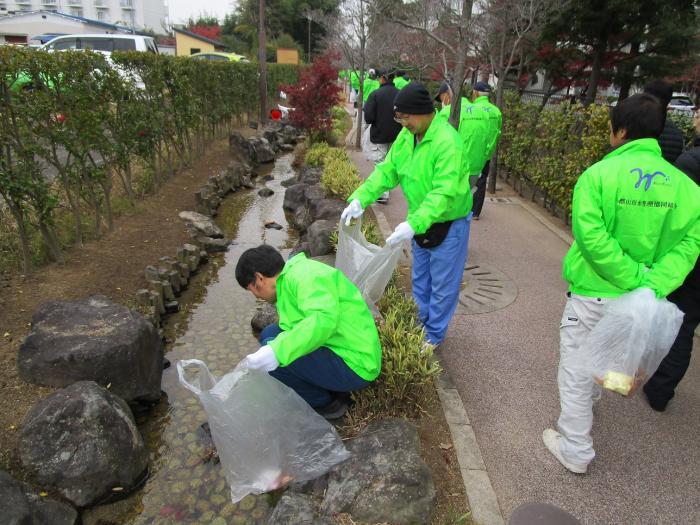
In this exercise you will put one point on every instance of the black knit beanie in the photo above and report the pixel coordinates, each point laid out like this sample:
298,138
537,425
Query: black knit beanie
414,99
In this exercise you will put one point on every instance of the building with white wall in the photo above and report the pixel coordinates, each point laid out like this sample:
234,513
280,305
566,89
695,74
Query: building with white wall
139,14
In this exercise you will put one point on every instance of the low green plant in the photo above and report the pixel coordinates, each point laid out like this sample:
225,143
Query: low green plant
685,124
316,153
407,371
340,178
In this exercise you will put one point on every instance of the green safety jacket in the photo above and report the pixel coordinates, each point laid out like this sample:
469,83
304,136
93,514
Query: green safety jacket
400,82
636,223
430,175
369,86
355,80
475,129
496,120
319,306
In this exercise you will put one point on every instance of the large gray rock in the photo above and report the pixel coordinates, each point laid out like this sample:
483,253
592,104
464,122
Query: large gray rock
294,197
265,314
22,506
211,245
253,150
301,219
97,340
319,237
297,509
310,175
329,209
385,479
314,193
83,442
205,225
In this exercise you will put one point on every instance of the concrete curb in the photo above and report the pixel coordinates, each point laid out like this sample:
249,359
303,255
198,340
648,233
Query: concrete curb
481,497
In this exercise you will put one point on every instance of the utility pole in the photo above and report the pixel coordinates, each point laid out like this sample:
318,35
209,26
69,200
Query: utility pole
262,63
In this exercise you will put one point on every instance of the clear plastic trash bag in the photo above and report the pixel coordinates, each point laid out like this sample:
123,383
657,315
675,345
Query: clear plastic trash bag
367,265
629,342
265,434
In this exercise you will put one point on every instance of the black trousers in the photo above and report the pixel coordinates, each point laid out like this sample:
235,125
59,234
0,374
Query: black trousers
660,388
480,193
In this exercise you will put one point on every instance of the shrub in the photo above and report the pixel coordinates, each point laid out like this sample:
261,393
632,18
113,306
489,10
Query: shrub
551,147
406,374
340,178
316,154
314,96
685,124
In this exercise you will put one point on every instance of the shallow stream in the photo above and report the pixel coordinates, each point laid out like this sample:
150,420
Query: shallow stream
185,484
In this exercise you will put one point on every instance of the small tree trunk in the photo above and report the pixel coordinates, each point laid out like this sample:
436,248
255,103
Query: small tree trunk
106,185
596,71
51,240
18,215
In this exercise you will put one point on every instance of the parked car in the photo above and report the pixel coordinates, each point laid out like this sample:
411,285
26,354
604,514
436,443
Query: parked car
681,103
220,56
106,43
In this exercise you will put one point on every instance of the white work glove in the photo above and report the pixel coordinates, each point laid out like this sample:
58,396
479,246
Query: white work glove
403,232
264,359
353,211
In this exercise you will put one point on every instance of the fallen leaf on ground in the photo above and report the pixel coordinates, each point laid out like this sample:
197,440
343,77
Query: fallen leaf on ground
445,446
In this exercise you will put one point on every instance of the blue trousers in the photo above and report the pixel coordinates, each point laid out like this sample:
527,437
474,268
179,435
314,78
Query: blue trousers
315,376
437,277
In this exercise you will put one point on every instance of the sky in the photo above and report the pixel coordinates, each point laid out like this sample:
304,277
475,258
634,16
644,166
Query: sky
182,10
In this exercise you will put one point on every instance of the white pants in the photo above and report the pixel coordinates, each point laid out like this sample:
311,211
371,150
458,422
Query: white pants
577,389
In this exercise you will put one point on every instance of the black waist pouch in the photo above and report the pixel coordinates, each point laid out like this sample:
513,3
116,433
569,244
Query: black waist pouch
434,236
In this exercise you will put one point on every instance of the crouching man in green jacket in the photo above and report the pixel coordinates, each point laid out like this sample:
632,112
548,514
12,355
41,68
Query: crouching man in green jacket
636,224
326,343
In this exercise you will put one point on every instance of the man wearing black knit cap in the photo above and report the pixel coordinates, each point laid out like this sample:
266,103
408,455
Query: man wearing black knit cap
426,160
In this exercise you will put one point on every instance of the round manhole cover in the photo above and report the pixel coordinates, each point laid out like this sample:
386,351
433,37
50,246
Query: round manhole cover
485,289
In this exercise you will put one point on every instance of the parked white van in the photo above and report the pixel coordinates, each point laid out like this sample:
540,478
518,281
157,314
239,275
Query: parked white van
106,43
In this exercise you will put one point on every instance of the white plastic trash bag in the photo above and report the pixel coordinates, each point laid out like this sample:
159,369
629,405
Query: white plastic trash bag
265,434
367,265
629,342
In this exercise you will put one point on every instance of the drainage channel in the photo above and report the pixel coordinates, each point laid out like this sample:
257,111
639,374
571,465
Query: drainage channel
186,484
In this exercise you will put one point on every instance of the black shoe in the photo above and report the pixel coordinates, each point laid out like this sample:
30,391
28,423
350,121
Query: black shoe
659,406
333,410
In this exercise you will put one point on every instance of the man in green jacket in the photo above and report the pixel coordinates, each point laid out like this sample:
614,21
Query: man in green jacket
474,128
480,98
636,224
401,80
426,160
370,84
326,343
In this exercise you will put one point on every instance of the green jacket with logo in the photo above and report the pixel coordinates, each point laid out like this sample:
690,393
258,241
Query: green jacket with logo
430,174
496,120
636,223
475,130
319,306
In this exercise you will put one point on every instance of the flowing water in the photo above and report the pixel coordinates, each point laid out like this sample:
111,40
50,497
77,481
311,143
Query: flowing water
185,484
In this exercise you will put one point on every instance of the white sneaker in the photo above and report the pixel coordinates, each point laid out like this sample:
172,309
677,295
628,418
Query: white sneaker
551,441
383,198
427,346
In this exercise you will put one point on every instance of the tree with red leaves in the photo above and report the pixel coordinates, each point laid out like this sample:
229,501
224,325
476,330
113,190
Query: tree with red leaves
314,96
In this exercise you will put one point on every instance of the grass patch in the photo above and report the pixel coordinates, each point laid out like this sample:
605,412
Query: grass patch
407,373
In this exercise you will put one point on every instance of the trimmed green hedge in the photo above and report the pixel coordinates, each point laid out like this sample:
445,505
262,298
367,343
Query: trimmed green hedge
551,147
90,121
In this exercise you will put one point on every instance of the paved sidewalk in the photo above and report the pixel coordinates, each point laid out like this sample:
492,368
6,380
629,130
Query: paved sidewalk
504,364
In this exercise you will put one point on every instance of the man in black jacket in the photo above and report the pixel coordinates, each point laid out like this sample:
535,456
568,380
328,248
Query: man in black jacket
379,114
660,389
671,139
